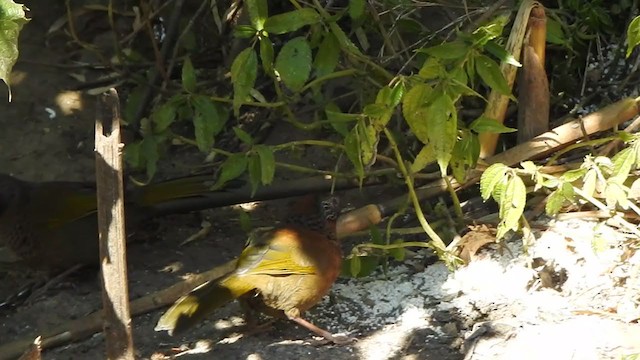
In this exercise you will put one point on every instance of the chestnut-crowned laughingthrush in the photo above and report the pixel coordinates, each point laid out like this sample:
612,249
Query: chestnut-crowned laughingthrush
282,272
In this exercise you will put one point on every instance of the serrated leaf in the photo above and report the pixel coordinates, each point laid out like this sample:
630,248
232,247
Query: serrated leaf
343,40
512,204
623,161
464,155
234,166
149,152
490,178
337,119
293,63
244,72
327,57
443,129
589,182
244,31
415,111
356,9
266,55
376,236
255,172
448,51
485,124
554,203
425,157
243,135
352,149
245,221
291,21
431,69
368,138
395,95
267,163
633,35
491,74
398,253
501,53
354,265
188,76
573,175
12,19
208,121
163,116
616,193
258,12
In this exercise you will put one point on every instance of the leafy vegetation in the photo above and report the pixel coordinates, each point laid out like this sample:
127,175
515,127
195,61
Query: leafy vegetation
381,86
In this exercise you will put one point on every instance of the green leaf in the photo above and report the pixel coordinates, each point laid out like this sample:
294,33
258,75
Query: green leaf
490,179
354,264
208,121
484,124
501,53
337,119
291,21
258,12
343,40
573,175
163,116
244,31
555,34
443,128
293,63
554,202
425,157
633,35
234,166
431,69
465,155
12,19
393,97
243,135
616,193
149,153
352,149
493,29
490,73
399,252
267,163
266,55
245,221
188,76
449,51
244,72
623,162
327,57
367,139
416,112
512,206
255,172
356,9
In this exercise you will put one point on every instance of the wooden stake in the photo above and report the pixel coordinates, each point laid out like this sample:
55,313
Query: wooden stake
110,192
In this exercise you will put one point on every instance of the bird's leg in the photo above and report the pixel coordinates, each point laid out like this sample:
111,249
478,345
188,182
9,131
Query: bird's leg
251,316
336,339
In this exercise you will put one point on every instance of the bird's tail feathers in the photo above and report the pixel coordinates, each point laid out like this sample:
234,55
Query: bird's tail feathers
200,302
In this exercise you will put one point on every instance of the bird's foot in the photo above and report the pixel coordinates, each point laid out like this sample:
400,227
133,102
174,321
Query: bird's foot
337,339
254,328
